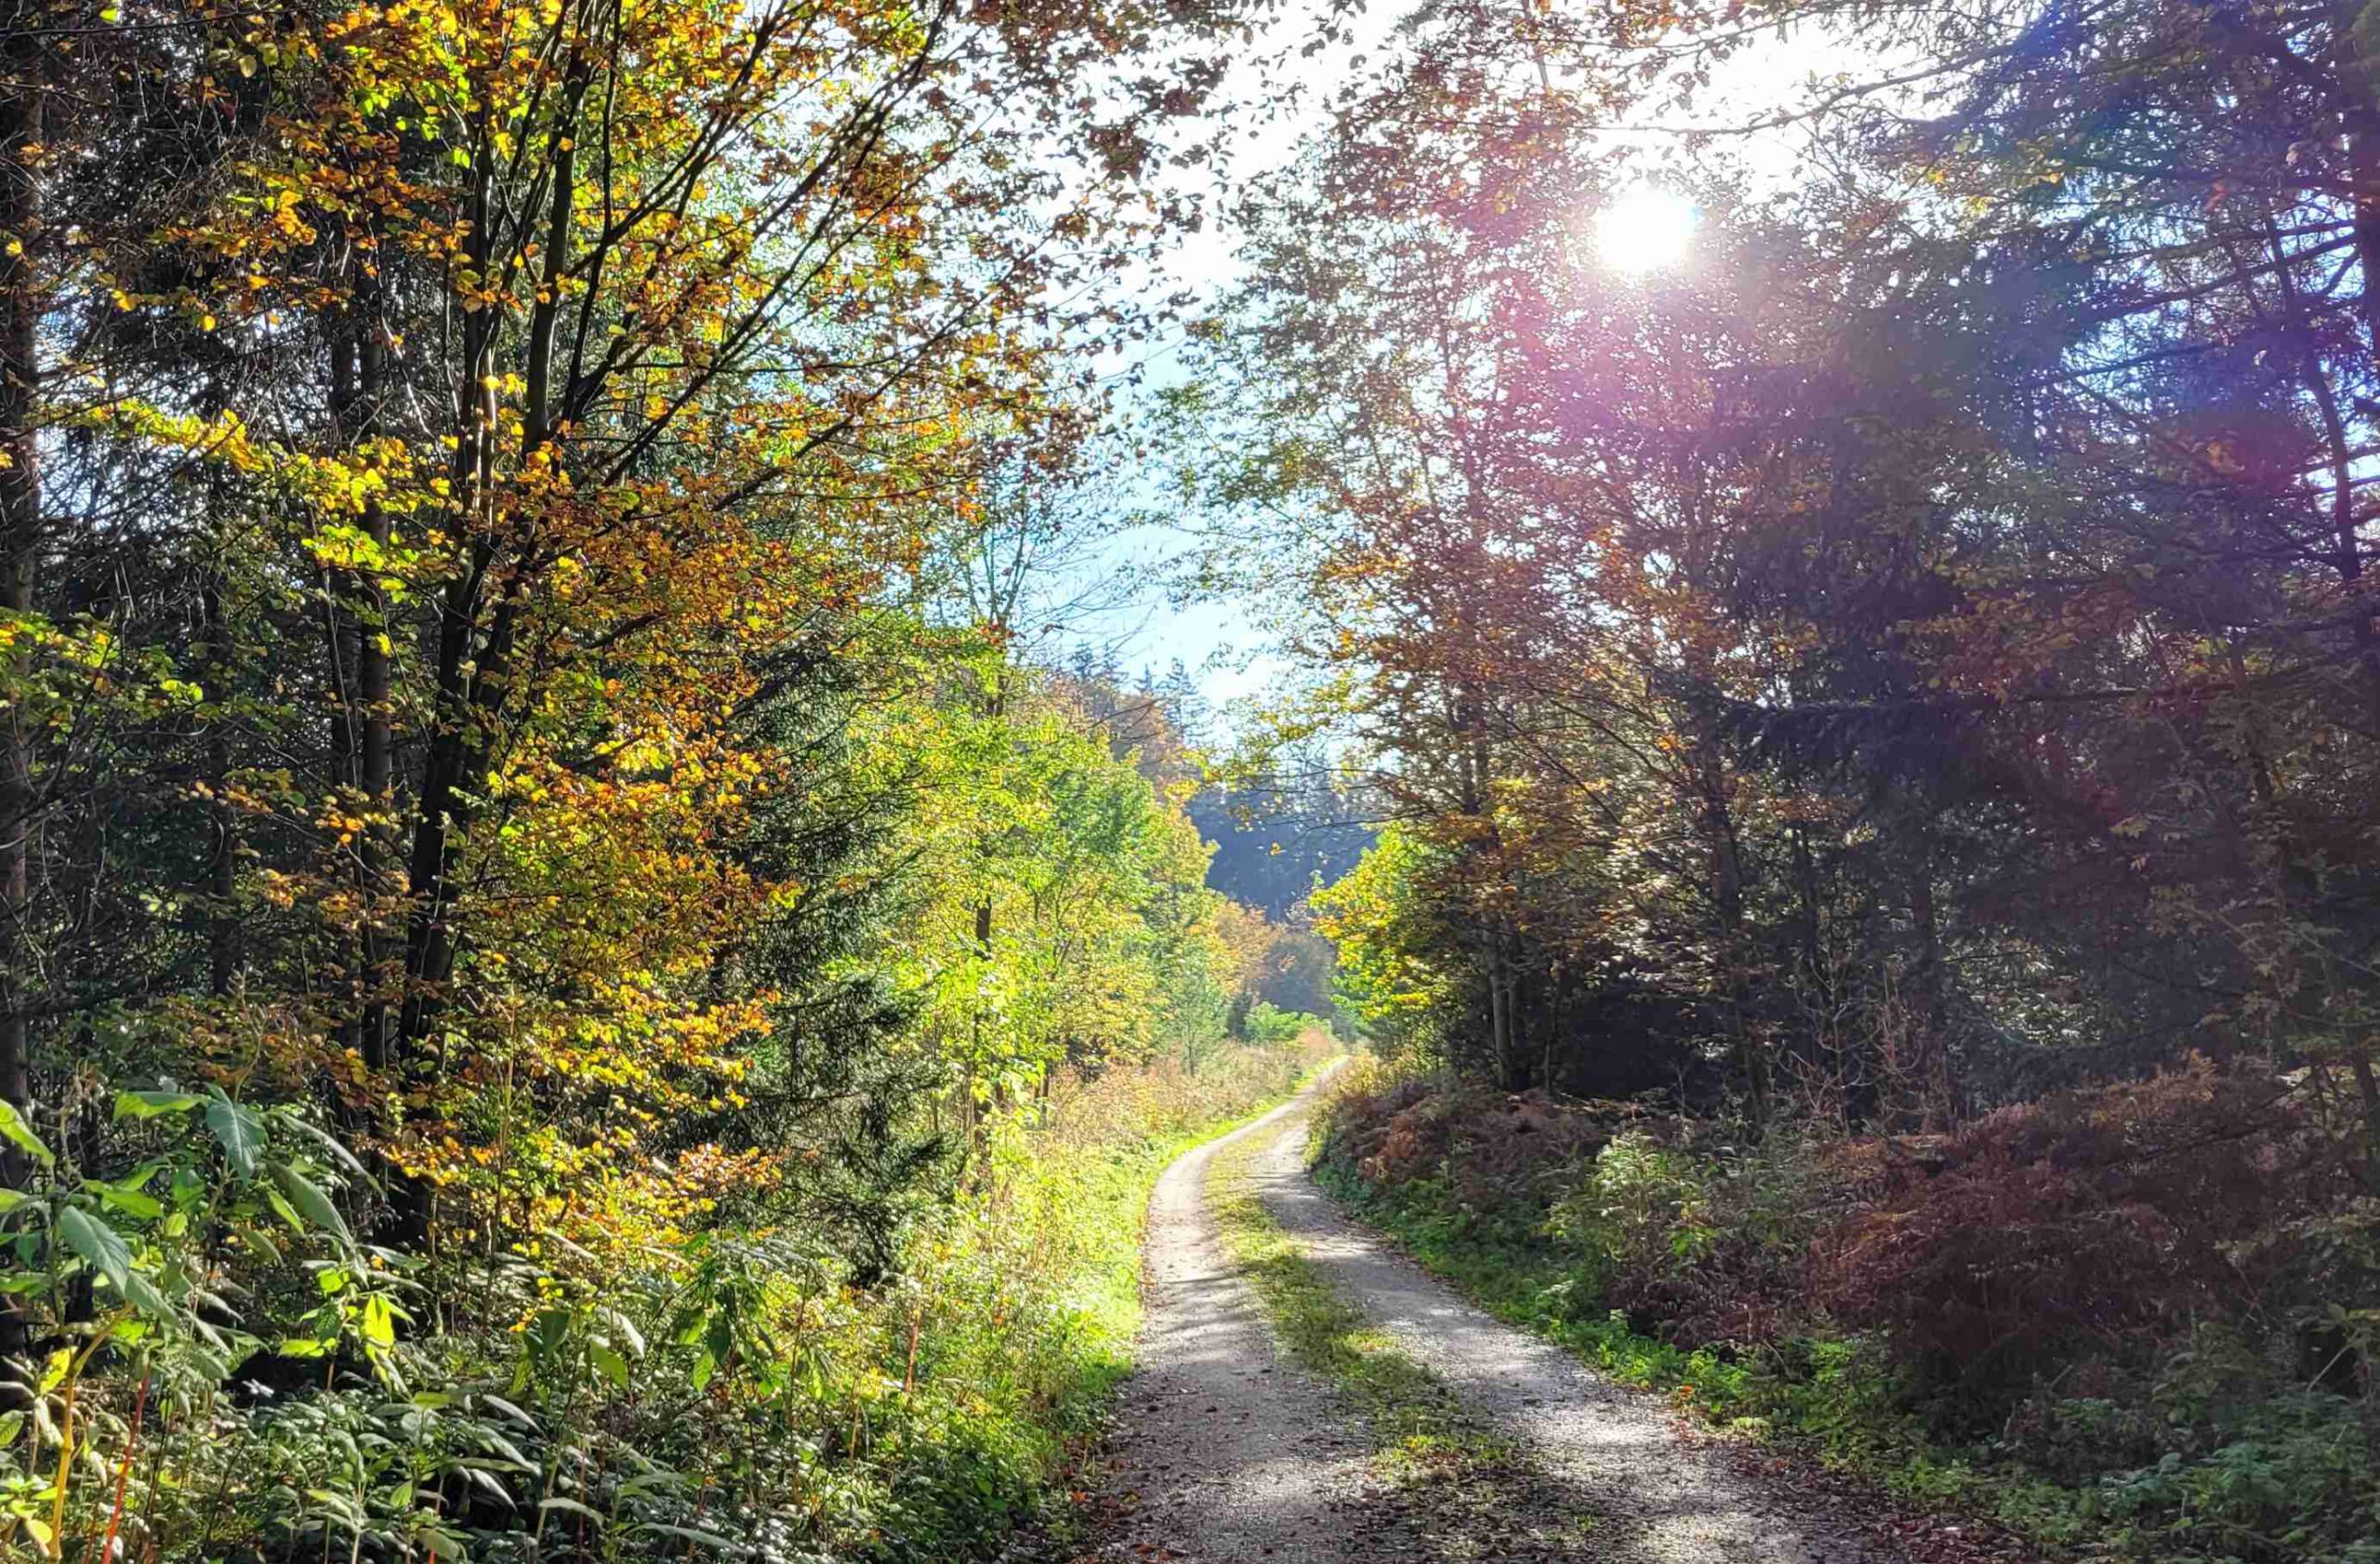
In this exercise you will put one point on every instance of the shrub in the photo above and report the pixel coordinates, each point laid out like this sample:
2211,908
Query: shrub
1268,1025
2085,1220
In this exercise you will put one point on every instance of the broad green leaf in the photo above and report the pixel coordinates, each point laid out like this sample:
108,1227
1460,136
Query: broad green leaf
508,1410
572,1506
11,1199
151,1105
130,1201
610,1364
145,1297
14,1128
241,1133
137,1179
308,1197
97,1242
380,1325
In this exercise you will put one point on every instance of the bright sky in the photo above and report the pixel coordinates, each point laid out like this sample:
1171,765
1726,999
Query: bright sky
1226,643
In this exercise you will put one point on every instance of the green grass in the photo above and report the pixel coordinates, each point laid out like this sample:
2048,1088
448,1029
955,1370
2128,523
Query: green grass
1460,1483
1411,1412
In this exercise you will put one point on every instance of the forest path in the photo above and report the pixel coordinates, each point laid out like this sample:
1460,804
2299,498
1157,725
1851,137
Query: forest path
1224,1452
1656,1494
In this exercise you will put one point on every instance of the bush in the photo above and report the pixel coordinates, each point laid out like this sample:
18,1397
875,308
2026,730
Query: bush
1269,1026
2087,1220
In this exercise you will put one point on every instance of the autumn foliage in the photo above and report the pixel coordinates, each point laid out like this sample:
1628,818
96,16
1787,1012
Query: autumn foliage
2087,1219
534,919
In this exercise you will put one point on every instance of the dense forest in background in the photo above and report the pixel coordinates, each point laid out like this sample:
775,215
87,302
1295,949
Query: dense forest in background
1281,827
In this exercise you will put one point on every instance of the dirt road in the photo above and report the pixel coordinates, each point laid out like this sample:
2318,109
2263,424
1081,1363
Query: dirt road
1222,1451
1225,1453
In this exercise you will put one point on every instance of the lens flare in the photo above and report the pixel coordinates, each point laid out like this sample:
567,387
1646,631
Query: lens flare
1647,229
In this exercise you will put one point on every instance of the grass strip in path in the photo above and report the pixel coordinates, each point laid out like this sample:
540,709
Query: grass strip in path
1469,1488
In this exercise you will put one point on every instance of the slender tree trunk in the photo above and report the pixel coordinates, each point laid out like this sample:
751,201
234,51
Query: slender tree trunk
1727,901
1932,1063
1512,1067
2363,142
20,520
441,813
374,772
223,927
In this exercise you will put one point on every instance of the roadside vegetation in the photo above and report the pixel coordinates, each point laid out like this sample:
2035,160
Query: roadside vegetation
736,1391
2108,1321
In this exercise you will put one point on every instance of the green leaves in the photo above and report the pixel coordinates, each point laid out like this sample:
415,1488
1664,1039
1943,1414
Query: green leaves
610,1364
241,1133
380,1324
154,1105
98,1243
14,1130
309,1201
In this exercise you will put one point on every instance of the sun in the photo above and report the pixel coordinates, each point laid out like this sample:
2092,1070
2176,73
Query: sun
1647,229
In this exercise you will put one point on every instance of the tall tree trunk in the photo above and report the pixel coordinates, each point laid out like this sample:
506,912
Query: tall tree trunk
2363,142
1931,1063
1727,886
369,724
1503,1024
20,520
441,813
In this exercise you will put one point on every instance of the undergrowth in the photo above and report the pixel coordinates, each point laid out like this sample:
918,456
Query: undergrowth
2210,1447
737,1395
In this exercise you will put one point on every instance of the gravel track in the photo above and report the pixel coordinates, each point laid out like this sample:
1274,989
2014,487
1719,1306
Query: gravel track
1660,1495
1224,1454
